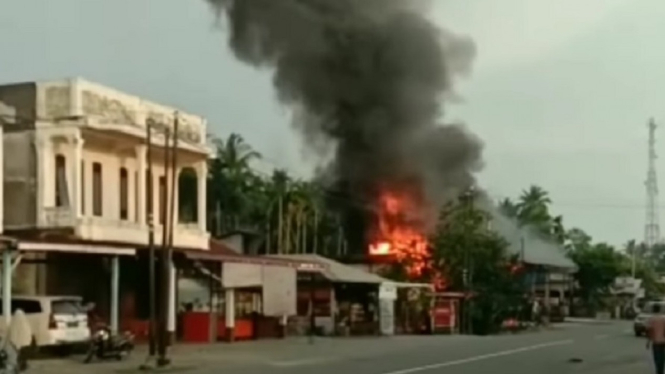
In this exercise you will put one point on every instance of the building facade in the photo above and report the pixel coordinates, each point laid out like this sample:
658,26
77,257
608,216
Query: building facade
76,183
79,164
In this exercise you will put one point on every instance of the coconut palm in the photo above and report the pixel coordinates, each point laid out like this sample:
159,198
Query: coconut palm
231,181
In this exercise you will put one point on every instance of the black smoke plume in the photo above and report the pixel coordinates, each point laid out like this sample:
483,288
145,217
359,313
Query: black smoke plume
371,77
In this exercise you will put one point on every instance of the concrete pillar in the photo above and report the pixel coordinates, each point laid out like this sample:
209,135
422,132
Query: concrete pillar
45,173
230,314
171,317
175,192
141,156
333,309
202,184
7,286
2,181
75,174
213,312
115,293
547,296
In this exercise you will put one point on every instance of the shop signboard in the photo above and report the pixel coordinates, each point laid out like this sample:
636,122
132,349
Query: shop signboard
387,291
238,275
387,316
279,291
444,315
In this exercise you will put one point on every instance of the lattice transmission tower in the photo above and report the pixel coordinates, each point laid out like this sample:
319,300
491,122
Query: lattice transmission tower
652,224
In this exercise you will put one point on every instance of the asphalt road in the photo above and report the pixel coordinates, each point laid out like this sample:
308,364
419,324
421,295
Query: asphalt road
570,348
573,348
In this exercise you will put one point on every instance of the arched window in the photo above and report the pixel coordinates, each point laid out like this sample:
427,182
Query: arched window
188,203
97,201
137,192
61,190
82,192
124,194
149,198
163,202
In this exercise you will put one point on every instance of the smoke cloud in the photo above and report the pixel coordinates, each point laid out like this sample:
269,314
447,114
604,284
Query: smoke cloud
371,78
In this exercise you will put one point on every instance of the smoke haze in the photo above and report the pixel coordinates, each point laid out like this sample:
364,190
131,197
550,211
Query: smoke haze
370,78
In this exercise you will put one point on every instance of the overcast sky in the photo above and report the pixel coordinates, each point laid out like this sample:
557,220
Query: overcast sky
561,90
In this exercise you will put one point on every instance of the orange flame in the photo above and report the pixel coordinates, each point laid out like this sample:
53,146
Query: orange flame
398,233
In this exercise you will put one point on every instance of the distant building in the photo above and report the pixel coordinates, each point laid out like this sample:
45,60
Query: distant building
628,286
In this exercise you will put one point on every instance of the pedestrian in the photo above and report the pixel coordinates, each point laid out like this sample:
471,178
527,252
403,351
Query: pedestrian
656,338
20,335
535,312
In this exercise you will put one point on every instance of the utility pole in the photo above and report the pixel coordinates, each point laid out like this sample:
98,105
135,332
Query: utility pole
151,245
652,224
315,245
632,264
168,206
467,273
280,225
173,219
312,313
164,218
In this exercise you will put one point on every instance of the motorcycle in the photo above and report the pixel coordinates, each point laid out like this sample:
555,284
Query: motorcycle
105,345
9,359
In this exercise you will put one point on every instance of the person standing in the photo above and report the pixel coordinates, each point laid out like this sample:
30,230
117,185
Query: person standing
20,334
656,337
535,312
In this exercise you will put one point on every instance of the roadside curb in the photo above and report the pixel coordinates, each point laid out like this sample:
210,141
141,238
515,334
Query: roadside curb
589,321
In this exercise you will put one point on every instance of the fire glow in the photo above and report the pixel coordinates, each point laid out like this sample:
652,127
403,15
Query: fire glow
397,233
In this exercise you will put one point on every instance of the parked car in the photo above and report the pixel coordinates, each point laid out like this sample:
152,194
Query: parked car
54,320
640,322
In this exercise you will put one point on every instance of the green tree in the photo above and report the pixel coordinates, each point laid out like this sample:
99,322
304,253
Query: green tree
232,183
532,211
598,267
475,259
534,208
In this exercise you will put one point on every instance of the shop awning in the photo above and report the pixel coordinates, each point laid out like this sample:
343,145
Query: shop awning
257,260
338,272
413,285
92,249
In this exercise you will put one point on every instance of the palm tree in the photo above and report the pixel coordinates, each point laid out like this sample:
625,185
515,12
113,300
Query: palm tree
235,154
231,181
533,206
577,239
508,208
533,210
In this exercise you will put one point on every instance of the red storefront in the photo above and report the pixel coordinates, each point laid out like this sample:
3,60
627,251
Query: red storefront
446,312
235,307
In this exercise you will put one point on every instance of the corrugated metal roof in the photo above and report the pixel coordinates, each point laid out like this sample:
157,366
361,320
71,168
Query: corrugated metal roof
532,249
338,272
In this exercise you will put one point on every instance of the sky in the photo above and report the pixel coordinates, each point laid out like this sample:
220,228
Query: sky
560,93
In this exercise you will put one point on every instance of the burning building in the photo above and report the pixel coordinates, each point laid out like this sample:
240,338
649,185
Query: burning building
372,77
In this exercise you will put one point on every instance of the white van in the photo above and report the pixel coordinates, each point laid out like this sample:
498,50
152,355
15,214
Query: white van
54,320
639,324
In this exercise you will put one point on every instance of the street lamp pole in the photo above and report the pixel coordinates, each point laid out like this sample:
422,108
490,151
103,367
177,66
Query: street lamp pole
151,245
467,273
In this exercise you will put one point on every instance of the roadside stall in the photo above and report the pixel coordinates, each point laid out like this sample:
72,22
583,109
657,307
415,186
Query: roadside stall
413,308
446,312
346,300
239,297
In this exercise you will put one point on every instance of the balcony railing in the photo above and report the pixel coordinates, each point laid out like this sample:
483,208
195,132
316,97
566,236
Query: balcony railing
58,217
187,235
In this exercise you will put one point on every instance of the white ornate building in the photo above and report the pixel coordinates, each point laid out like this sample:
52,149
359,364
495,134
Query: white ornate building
77,162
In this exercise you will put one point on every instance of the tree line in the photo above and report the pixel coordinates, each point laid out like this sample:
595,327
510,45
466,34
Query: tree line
294,215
